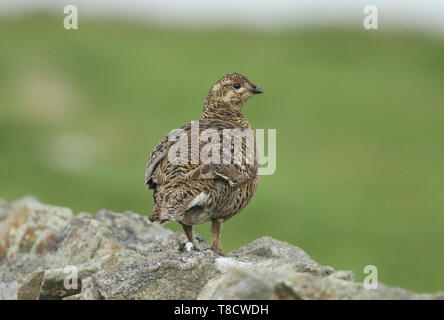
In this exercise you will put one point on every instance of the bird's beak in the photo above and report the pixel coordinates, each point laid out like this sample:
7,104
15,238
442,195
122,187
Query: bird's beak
256,90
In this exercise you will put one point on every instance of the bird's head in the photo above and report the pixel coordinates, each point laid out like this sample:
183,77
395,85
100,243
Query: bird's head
231,92
233,88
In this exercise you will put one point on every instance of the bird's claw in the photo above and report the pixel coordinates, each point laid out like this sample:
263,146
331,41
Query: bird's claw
218,251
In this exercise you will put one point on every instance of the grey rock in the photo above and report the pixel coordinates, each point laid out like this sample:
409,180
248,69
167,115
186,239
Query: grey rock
283,283
270,248
48,253
31,227
164,275
131,229
20,265
8,290
7,208
258,279
237,283
307,286
83,239
88,292
30,288
59,283
344,275
14,269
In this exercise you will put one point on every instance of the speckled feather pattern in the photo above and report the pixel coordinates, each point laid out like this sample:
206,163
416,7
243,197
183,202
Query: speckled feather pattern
192,192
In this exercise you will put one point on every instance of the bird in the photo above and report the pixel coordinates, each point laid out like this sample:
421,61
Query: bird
191,190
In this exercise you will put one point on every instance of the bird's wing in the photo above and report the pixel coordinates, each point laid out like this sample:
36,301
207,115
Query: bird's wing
154,173
234,175
160,171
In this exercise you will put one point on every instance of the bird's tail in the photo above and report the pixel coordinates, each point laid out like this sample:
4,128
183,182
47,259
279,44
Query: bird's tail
155,216
170,205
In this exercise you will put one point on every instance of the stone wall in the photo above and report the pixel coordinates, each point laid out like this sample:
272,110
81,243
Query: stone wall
121,256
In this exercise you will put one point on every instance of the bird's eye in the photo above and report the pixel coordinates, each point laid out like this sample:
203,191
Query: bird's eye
236,85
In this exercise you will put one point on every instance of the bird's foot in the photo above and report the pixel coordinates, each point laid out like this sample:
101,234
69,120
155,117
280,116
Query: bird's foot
217,250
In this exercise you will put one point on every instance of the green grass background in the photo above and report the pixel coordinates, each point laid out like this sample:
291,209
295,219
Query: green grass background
359,118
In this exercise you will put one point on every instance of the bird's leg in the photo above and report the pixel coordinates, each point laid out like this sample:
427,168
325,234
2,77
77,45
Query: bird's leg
190,235
216,227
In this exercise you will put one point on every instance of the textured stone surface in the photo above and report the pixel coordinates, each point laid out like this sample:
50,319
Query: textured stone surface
164,275
14,269
270,248
31,284
4,209
31,227
282,282
48,253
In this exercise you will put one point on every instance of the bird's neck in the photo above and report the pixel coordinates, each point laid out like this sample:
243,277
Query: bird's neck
223,111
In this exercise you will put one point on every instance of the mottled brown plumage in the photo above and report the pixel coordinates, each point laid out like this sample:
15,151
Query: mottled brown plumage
195,189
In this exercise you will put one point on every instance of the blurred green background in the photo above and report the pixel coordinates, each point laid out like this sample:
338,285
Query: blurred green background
359,118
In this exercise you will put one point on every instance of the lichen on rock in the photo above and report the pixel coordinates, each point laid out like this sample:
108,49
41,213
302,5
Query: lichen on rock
47,252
